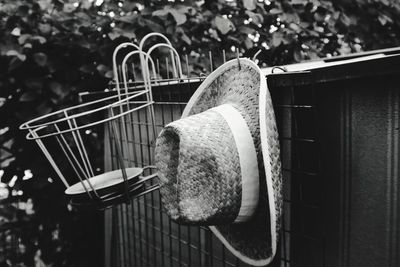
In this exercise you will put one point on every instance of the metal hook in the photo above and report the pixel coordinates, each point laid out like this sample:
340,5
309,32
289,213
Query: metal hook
256,55
279,68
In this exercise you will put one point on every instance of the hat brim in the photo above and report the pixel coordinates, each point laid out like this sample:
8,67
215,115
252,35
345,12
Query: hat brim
244,86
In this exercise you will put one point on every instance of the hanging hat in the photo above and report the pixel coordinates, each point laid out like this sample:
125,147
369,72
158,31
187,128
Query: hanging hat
219,165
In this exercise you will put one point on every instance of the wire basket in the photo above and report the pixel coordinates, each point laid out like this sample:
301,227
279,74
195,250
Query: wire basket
65,136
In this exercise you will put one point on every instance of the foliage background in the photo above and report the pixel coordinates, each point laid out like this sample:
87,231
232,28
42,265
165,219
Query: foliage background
50,50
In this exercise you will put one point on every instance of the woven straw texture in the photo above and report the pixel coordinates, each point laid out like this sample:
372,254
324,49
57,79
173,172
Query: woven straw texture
240,88
199,170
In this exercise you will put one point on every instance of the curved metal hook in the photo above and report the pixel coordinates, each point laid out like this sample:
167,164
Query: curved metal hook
130,54
173,53
256,55
114,59
156,34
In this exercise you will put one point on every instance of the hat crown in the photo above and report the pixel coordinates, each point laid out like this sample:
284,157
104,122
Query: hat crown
199,172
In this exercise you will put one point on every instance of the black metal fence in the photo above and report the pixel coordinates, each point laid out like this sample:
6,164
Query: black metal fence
141,234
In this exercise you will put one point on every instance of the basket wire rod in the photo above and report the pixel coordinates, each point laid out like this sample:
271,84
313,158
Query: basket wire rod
26,126
82,157
49,158
115,66
89,172
211,61
30,136
119,152
69,153
133,71
73,166
118,70
124,77
148,190
124,74
174,56
83,148
167,67
158,67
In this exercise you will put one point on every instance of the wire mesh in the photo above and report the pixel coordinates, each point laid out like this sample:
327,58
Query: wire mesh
143,235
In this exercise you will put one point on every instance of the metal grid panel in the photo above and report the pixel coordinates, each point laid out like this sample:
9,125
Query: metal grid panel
143,235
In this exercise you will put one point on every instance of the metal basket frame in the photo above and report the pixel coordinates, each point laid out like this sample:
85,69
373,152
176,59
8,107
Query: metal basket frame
119,107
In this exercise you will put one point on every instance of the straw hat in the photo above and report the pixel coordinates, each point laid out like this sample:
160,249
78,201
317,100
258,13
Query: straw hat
219,164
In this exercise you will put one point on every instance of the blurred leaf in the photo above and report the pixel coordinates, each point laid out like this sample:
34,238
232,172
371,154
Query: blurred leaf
20,56
256,18
27,97
87,68
299,2
161,12
23,38
34,84
246,30
154,26
383,19
277,39
43,109
56,88
128,18
40,59
179,17
44,4
109,74
224,25
250,4
44,28
248,43
86,4
69,7
275,11
103,69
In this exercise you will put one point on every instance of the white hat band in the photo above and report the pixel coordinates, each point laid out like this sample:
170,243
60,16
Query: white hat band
248,160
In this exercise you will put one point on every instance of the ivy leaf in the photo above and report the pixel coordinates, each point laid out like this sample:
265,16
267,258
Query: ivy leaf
129,18
40,59
102,69
68,8
160,13
250,4
275,11
86,4
154,26
44,4
56,88
224,25
178,16
109,74
87,68
44,28
299,2
277,39
28,97
43,108
246,30
257,18
383,19
248,43
17,54
23,38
